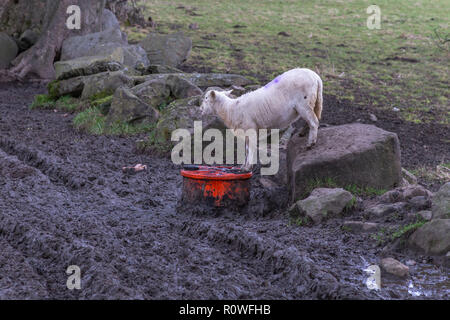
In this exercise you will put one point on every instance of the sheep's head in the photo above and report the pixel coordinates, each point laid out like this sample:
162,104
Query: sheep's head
210,98
207,103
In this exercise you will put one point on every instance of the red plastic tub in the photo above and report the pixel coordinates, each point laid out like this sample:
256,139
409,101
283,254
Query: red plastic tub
219,186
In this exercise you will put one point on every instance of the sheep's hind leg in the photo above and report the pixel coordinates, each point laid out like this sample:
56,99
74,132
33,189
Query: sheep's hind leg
307,114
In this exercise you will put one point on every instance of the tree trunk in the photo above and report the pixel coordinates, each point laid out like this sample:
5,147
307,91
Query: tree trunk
49,18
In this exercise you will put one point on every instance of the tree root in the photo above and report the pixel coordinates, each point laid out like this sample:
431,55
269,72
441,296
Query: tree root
38,61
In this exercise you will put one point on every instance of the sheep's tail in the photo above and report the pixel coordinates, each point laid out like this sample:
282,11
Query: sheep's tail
319,100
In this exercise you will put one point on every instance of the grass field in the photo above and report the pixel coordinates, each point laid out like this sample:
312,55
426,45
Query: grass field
404,64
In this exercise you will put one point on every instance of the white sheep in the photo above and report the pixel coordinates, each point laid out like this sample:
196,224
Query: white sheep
295,94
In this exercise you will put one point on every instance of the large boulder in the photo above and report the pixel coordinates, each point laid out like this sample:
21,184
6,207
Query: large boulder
382,210
156,91
8,50
322,204
134,104
153,92
395,267
104,43
127,107
441,203
72,86
181,114
182,88
105,82
109,20
433,237
405,194
352,154
202,80
92,44
87,86
85,66
171,50
135,56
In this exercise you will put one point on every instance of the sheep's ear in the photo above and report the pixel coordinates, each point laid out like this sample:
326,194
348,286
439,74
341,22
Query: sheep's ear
213,94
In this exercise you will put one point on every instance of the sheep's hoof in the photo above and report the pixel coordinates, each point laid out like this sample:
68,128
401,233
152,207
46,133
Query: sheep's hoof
245,168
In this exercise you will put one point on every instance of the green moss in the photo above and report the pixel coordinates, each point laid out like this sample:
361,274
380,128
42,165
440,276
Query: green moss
53,90
103,104
101,95
163,105
346,228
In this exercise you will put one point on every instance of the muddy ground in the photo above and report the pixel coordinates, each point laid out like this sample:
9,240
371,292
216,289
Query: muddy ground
65,201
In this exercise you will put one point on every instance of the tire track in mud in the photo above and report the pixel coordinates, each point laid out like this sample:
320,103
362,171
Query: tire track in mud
46,245
38,160
18,279
295,275
50,246
64,200
185,259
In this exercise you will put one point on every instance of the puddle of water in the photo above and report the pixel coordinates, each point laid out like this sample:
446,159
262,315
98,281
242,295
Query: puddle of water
425,281
429,281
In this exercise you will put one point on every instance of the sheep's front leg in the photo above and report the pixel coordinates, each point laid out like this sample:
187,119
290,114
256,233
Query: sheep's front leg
313,123
247,166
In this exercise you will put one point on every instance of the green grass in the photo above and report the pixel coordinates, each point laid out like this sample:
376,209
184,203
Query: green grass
364,191
93,121
369,67
439,174
352,188
64,103
299,221
42,101
351,204
407,229
91,114
381,236
385,235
